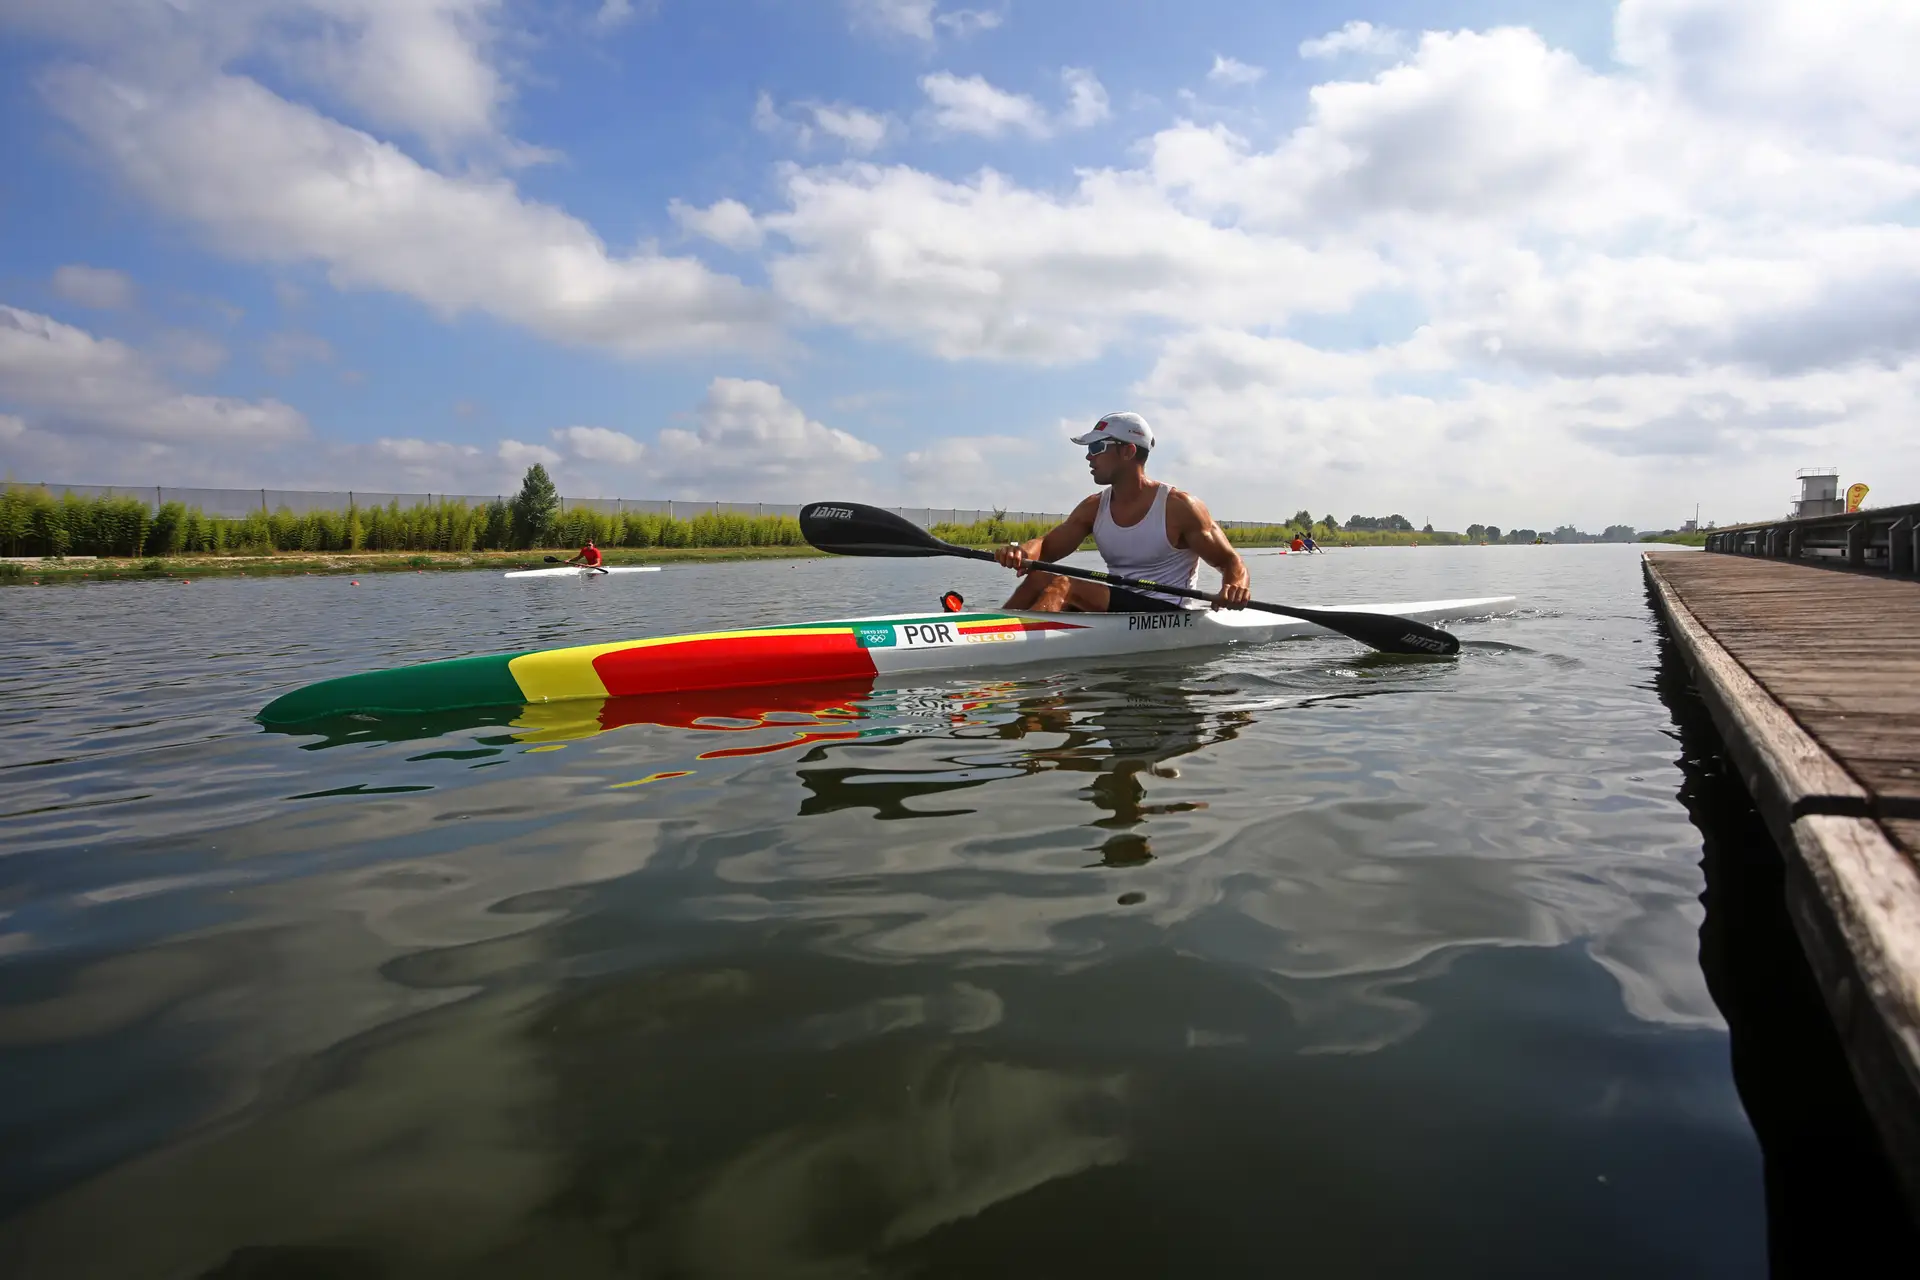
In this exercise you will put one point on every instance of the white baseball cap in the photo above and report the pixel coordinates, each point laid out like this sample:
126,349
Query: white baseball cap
1127,428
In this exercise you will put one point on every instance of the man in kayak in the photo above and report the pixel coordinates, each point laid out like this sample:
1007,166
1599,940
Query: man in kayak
1143,528
589,556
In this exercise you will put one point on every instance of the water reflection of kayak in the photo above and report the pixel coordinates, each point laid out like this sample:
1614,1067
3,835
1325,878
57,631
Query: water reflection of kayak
805,652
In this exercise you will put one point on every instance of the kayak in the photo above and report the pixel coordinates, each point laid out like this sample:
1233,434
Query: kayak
806,652
578,571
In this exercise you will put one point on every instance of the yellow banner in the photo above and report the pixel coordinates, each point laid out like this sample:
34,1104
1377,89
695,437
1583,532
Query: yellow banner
1856,494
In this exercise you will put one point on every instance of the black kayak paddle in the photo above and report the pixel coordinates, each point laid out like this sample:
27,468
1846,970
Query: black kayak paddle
855,529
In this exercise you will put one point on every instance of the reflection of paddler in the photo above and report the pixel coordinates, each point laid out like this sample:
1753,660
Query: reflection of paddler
1115,727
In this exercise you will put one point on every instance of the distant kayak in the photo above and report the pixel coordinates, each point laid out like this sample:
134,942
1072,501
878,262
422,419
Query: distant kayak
579,571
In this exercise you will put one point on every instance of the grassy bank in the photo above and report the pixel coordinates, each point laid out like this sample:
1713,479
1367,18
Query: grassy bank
35,523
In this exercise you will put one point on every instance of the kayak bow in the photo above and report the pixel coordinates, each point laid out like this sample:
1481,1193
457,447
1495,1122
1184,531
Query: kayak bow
858,648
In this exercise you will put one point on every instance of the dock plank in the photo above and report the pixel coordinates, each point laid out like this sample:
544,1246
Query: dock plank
1840,653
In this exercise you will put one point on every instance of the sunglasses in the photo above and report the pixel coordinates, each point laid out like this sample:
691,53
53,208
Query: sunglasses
1099,447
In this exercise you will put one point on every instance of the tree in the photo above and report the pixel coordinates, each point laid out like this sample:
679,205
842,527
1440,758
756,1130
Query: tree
1493,533
1302,520
1618,533
1476,533
1397,523
1427,528
536,508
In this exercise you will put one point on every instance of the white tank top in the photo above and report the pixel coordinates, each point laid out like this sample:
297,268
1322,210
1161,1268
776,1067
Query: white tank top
1142,550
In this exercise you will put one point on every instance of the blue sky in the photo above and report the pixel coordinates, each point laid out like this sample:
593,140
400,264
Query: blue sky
1496,261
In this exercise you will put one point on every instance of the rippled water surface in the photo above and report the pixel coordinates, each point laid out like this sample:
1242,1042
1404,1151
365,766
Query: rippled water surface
1276,960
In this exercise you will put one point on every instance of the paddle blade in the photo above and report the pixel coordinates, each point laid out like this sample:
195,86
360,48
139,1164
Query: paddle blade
1387,633
854,529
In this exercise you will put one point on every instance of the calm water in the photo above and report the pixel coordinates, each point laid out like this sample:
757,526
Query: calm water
1275,960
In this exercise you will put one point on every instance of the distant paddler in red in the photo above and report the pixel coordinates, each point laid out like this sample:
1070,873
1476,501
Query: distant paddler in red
589,557
1143,528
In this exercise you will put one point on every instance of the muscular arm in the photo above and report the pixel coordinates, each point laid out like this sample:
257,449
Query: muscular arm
1196,530
1058,542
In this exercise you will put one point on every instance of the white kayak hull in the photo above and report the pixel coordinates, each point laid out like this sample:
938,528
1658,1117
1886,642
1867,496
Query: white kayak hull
844,650
910,642
579,571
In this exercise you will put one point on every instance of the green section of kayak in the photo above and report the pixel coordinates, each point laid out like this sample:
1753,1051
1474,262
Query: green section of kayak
453,685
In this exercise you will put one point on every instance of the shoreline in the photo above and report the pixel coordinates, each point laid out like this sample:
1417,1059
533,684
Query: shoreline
294,563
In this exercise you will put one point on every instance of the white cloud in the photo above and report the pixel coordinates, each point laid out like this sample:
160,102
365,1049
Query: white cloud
424,67
11,428
966,22
766,117
858,130
408,464
67,380
419,65
1232,71
861,131
1499,130
751,441
750,444
912,18
284,352
1839,71
726,222
922,19
988,268
949,467
601,444
426,457
286,185
191,351
971,105
99,287
1268,426
1355,37
1086,98
518,455
614,13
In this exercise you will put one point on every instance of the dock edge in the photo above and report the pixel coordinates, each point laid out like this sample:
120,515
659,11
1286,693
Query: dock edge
1853,897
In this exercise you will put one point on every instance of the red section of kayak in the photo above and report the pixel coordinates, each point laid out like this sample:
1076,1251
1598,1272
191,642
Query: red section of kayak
734,662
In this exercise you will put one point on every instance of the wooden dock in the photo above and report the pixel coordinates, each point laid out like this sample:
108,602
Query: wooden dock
1813,679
